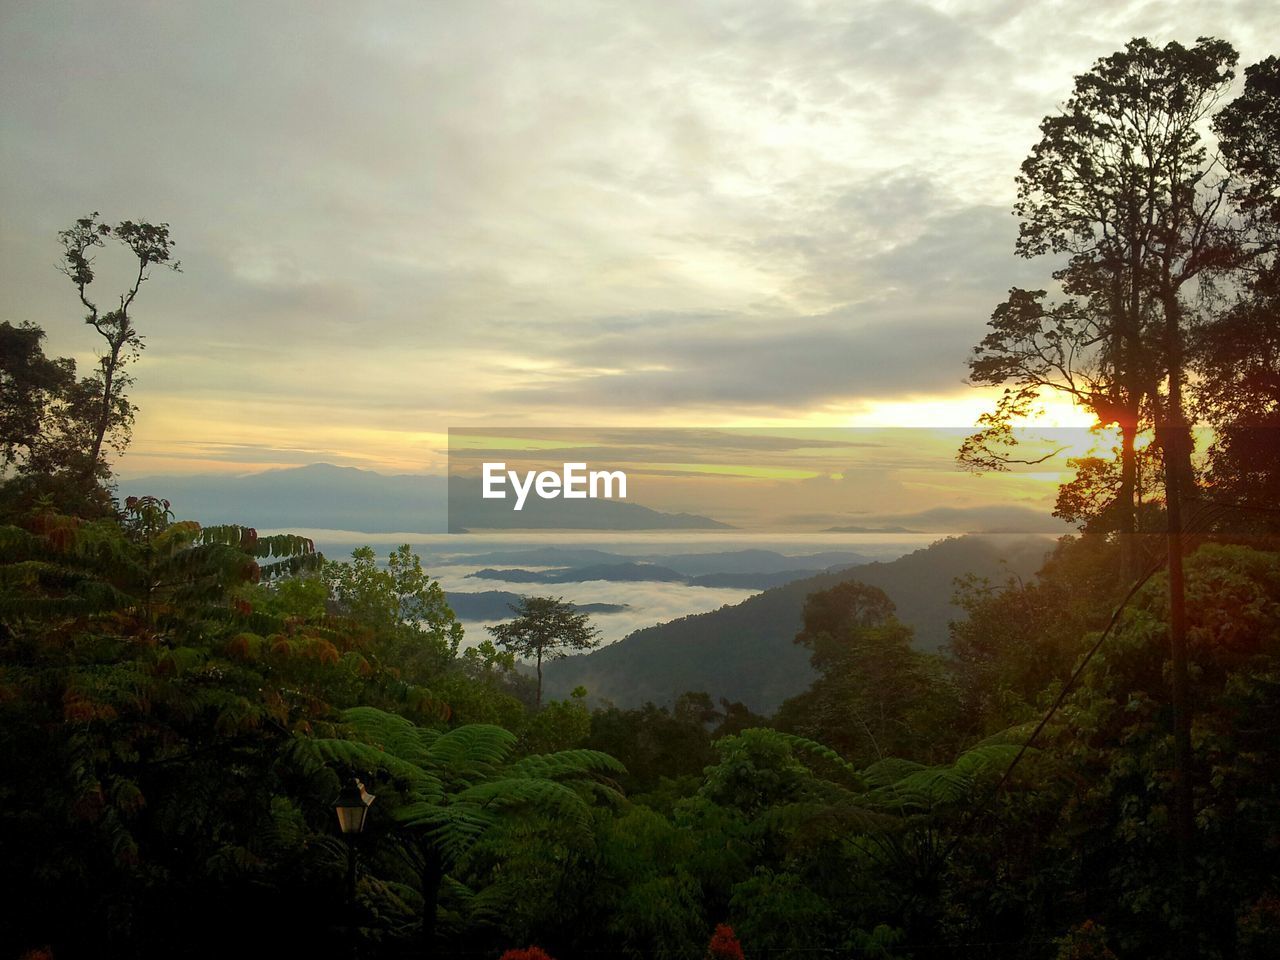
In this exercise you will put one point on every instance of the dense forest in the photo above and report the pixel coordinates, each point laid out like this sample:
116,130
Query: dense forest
1087,768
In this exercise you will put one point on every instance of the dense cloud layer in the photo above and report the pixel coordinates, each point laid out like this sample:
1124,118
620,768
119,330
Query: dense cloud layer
398,218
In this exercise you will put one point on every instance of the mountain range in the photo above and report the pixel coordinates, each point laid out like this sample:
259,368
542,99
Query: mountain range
324,496
749,560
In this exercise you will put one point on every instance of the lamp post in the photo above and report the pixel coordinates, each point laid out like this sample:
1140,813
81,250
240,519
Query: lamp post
352,808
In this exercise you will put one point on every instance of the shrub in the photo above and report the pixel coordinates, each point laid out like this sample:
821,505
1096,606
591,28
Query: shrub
724,944
527,953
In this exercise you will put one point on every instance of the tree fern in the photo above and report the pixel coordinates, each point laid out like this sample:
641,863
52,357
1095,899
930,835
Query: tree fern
565,763
473,751
453,788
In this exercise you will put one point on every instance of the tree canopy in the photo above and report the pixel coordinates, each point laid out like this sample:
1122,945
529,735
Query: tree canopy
545,628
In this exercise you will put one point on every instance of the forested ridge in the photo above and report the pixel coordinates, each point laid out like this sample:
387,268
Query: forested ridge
182,705
745,651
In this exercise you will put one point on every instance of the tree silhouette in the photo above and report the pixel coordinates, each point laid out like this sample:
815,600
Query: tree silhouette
149,244
545,628
1121,184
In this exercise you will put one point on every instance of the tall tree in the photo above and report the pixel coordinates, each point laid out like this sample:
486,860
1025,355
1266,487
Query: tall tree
1235,353
148,245
1248,132
1123,186
1122,183
545,628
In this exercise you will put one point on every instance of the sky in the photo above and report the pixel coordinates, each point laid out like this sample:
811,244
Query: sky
396,218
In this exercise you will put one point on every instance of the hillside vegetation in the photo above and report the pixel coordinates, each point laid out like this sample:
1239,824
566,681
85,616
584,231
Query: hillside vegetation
746,652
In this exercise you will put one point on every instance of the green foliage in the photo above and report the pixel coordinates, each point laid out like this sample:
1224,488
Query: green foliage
653,743
647,898
1021,636
1248,130
135,719
402,604
875,696
452,789
33,394
745,653
559,725
388,599
778,913
1236,355
1120,816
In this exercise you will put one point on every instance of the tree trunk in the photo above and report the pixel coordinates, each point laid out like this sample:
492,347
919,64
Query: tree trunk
432,875
538,701
1133,388
1126,520
1176,445
104,413
1174,413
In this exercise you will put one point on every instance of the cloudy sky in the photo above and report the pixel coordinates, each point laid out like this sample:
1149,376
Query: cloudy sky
399,217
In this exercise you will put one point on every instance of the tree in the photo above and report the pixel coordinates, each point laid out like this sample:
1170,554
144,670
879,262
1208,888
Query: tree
1235,353
1114,735
1071,348
1248,131
1236,358
1019,637
830,615
53,425
1123,186
653,742
44,427
149,245
143,710
406,609
1122,183
31,388
875,696
545,628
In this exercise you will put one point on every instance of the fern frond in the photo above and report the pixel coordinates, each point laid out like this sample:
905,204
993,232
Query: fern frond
452,829
282,545
988,757
313,753
289,567
467,751
802,747
565,763
889,771
392,733
936,785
